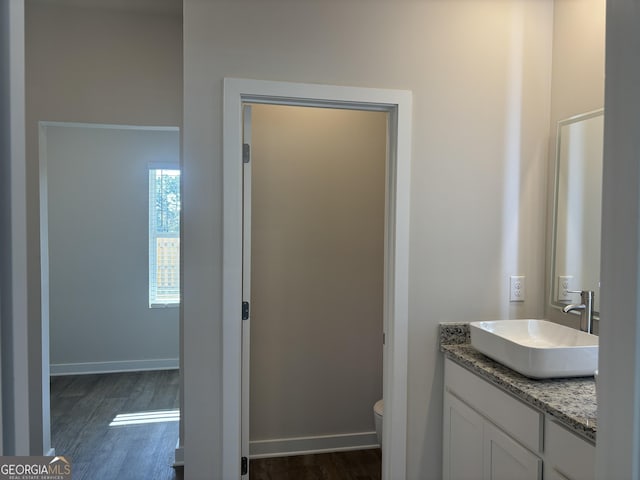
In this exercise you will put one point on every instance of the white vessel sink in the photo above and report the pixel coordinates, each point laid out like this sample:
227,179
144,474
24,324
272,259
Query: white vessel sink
537,348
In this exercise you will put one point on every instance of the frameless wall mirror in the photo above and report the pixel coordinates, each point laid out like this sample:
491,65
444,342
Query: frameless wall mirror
577,209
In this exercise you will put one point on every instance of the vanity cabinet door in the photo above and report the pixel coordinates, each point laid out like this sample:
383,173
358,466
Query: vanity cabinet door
462,441
505,459
475,449
567,455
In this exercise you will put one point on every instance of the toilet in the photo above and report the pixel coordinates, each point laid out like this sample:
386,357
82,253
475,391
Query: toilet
377,418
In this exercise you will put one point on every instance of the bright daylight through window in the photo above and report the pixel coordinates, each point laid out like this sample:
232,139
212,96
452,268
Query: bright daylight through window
164,236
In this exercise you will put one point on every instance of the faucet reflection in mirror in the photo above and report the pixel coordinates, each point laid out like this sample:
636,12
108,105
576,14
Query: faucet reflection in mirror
577,213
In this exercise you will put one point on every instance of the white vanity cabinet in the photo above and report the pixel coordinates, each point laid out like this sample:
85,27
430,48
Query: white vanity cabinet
477,449
490,435
476,442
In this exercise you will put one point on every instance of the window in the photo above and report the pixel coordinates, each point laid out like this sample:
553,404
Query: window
164,235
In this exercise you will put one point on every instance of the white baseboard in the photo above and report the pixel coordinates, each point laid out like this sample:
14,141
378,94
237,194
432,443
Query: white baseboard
284,447
113,367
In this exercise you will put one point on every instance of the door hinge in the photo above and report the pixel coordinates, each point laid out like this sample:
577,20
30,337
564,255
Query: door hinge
244,466
245,310
246,153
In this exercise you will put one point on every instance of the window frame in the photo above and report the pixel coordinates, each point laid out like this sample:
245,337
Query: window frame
153,236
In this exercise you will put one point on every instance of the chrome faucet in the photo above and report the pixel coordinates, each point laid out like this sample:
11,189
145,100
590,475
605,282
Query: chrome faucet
585,308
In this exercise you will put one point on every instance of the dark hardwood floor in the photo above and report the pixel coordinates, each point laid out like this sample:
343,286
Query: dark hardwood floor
134,448
354,465
86,429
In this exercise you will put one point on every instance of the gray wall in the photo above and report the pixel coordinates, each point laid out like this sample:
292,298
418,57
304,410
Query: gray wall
318,194
98,210
5,216
111,66
24,391
97,66
577,87
480,75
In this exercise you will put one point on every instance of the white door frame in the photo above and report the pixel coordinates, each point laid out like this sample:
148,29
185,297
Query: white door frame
43,133
398,104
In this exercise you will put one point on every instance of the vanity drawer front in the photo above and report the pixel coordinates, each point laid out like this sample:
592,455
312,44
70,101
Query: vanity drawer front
517,419
568,454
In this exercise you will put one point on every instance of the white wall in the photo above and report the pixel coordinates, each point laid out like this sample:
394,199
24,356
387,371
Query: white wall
619,362
577,87
318,204
622,18
480,75
98,210
578,58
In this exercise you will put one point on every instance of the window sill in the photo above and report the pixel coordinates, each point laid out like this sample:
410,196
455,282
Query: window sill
164,305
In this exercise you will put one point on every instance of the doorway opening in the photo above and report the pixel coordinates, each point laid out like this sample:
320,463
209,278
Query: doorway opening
110,332
397,105
316,251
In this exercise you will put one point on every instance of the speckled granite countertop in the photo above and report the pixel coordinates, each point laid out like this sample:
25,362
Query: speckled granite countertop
571,401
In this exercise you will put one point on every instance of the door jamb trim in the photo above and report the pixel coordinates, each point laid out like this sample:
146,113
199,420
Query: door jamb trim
398,104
